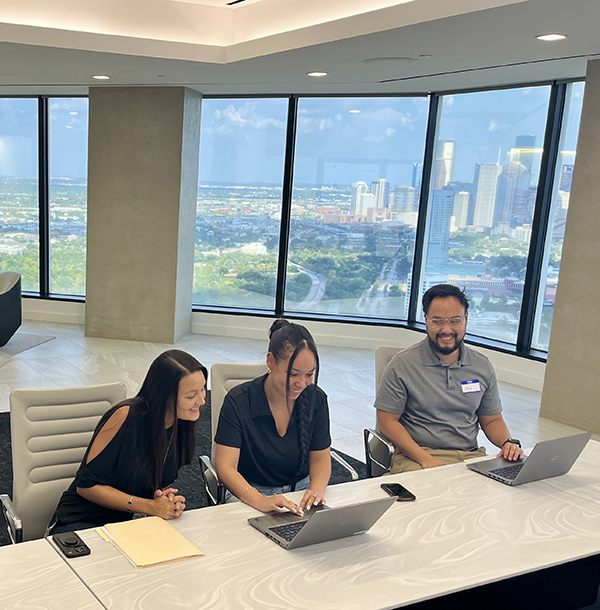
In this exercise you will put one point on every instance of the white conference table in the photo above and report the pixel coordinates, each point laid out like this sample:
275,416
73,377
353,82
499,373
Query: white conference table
463,531
33,576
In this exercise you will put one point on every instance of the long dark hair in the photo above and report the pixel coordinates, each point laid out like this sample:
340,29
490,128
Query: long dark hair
287,339
156,399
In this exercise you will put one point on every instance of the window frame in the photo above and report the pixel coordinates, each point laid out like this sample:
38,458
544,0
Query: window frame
542,210
44,198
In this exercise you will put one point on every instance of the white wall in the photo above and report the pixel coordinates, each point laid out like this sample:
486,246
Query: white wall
511,369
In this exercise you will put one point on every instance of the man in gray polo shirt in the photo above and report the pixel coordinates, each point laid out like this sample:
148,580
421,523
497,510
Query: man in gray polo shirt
434,396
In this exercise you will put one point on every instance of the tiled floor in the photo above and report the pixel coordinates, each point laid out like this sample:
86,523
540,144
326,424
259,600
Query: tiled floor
347,375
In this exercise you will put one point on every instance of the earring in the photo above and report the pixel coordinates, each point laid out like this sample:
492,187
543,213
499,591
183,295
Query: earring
268,370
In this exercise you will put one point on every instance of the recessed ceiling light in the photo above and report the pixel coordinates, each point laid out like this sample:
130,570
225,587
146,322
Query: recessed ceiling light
551,37
355,111
391,60
317,74
101,77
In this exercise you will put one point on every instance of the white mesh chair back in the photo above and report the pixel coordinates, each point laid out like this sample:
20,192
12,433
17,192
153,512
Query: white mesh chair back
223,377
50,431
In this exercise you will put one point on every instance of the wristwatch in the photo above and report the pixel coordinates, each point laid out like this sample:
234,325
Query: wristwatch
514,441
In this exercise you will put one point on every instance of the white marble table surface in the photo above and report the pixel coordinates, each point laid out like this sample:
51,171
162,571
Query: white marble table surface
34,576
463,530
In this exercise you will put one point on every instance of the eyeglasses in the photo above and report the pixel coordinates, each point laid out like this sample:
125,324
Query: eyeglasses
441,322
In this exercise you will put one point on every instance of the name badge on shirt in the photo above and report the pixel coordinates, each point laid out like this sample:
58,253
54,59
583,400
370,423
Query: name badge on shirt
470,386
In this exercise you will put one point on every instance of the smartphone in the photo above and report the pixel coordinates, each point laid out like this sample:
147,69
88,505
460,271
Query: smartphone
71,544
395,489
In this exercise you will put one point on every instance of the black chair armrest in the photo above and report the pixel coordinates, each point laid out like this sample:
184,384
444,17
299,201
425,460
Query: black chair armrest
378,453
215,490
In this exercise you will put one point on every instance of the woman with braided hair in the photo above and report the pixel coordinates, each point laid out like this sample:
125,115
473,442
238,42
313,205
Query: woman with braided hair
273,433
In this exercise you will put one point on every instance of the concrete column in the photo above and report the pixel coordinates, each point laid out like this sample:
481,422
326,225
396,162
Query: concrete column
571,391
142,188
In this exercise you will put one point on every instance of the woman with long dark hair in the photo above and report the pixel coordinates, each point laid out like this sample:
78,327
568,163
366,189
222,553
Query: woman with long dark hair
273,433
137,448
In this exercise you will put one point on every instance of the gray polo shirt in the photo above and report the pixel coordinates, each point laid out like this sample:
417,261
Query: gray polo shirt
439,405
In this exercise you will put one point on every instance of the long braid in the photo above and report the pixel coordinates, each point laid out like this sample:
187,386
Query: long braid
305,406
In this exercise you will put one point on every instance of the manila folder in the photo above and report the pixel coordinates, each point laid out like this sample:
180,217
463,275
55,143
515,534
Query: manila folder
150,541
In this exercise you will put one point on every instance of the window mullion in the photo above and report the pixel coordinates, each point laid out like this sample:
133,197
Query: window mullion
43,197
541,216
286,205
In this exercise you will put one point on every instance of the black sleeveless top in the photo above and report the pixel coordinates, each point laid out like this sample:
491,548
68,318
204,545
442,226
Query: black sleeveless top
117,466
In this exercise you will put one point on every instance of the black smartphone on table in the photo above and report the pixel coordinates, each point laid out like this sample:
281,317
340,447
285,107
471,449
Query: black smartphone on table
395,489
71,544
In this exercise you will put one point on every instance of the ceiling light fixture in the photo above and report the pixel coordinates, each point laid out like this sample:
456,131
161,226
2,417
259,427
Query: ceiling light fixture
551,37
353,111
317,74
101,77
390,60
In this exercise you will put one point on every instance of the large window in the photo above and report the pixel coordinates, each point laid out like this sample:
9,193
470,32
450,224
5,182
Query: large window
558,216
242,149
68,132
43,192
357,177
342,208
19,209
346,185
483,188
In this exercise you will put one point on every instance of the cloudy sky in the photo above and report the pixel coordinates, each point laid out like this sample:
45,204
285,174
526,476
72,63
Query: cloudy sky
339,140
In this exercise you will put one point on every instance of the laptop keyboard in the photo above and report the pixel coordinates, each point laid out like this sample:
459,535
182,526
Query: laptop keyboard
288,532
508,472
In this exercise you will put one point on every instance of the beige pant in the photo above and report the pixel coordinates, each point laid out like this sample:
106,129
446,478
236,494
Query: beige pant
402,463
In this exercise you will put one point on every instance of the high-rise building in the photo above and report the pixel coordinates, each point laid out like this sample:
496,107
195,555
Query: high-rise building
440,215
524,151
358,190
417,177
471,189
486,179
444,163
511,195
460,210
405,199
381,190
566,177
367,200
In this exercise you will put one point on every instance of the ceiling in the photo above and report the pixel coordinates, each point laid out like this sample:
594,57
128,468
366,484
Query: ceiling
268,46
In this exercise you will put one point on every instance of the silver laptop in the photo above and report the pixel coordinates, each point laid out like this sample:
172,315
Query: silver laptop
321,523
547,459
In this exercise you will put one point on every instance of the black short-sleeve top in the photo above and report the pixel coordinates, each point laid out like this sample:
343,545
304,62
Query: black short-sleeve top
266,458
118,466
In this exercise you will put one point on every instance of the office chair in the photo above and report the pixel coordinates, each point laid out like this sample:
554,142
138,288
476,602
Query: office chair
10,305
378,448
223,377
50,431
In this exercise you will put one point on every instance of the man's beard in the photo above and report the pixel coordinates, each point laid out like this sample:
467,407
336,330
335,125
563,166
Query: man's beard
445,351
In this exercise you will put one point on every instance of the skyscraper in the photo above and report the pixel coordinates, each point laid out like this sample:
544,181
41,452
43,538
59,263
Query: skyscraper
524,151
486,179
381,190
460,210
358,189
440,215
566,177
511,195
405,199
444,163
